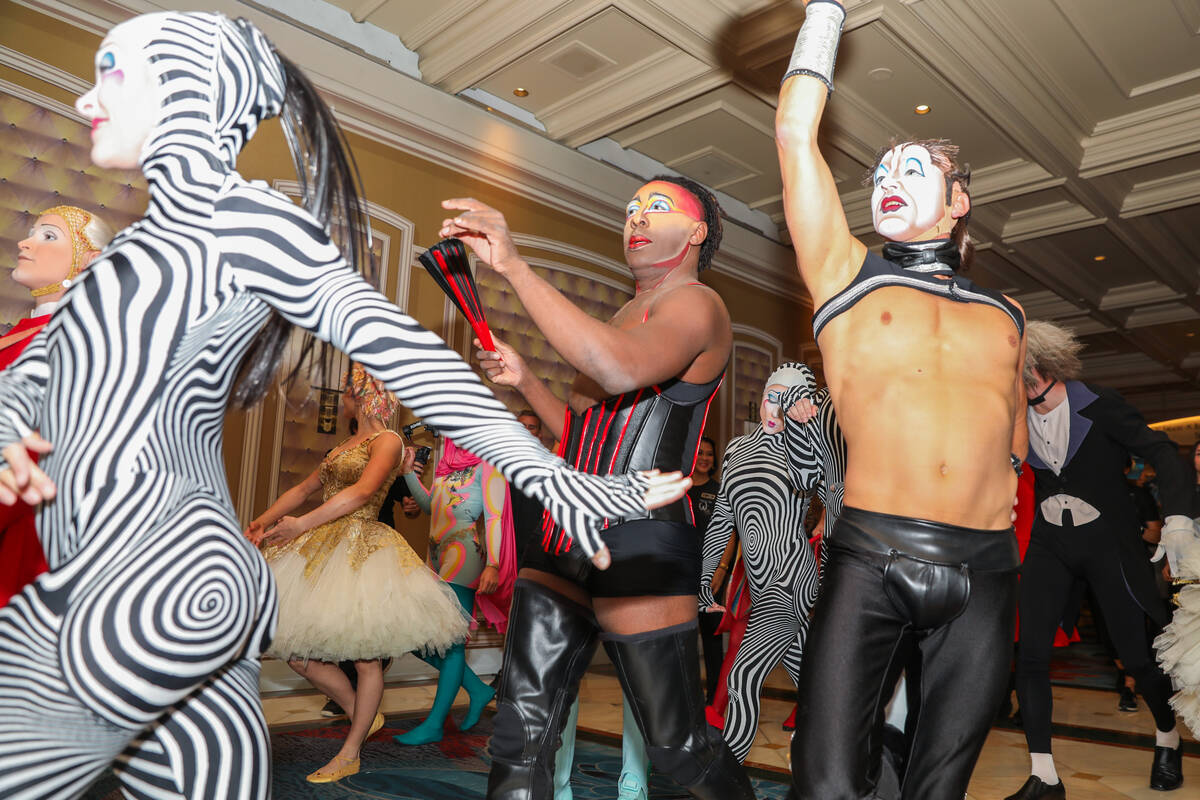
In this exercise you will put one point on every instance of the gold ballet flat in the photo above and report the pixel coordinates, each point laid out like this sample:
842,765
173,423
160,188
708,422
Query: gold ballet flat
376,724
345,771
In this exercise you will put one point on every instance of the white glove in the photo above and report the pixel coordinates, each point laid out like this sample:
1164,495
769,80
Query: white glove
1179,542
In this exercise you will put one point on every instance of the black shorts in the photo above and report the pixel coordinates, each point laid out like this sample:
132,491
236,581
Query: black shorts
649,557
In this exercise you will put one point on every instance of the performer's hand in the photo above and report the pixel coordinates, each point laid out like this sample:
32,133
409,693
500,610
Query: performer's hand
284,531
411,509
484,229
489,580
502,365
255,532
715,608
802,410
23,480
407,460
665,487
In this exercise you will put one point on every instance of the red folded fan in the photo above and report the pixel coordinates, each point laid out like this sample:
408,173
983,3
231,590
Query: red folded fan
447,262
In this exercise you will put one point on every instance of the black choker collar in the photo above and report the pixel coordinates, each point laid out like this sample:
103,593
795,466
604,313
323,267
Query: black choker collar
936,256
1041,398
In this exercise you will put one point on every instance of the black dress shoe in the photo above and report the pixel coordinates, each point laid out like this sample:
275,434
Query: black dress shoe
1036,789
1128,701
1167,772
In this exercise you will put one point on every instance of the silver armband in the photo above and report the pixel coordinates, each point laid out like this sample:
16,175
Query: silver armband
817,41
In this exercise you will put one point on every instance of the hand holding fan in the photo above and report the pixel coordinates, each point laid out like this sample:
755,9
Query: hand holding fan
447,262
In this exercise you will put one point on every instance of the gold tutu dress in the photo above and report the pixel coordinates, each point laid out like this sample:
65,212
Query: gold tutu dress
353,588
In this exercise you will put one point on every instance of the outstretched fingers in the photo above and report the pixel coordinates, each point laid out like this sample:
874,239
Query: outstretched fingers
664,487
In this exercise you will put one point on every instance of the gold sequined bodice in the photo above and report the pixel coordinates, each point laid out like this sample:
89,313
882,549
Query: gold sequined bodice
360,530
345,468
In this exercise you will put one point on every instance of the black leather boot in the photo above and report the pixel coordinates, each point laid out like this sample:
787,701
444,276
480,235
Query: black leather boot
549,644
1167,772
660,673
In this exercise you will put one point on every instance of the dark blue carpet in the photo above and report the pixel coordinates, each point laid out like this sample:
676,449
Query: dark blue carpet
454,769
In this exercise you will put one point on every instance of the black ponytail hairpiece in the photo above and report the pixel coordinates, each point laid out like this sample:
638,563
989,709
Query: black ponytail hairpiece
331,190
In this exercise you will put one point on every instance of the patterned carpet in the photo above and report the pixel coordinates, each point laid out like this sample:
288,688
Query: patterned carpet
454,769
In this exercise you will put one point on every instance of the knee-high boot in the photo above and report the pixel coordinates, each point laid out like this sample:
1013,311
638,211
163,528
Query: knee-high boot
660,673
549,645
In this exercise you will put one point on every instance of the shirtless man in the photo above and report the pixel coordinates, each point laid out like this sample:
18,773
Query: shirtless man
924,369
645,381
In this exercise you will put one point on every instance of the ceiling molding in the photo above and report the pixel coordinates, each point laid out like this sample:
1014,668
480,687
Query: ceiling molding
1047,220
1162,194
1136,294
1142,137
45,72
48,103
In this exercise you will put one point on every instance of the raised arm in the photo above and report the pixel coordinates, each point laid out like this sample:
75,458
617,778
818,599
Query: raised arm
280,254
505,366
689,326
828,256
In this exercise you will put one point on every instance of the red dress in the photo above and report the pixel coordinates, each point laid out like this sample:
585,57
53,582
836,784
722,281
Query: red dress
21,557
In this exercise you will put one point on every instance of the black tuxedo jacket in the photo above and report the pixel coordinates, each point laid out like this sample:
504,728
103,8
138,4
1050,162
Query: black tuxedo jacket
1104,430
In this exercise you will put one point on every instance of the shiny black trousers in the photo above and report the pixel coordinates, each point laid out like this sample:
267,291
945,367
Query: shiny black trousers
935,600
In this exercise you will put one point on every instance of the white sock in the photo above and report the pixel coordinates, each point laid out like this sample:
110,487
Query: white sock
1169,739
1043,767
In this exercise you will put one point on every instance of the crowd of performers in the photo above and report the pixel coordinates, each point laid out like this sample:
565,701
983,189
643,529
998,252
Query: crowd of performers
136,643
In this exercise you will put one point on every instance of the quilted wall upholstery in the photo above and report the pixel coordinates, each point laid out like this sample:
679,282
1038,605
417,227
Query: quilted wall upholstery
44,162
751,368
508,320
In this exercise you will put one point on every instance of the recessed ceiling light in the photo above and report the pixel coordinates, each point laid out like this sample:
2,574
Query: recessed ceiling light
1099,258
922,110
1189,333
880,74
521,91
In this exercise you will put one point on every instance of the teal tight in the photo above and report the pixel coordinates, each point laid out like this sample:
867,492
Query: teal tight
453,673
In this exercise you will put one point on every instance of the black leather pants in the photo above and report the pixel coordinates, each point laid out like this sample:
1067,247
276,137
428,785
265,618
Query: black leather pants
937,600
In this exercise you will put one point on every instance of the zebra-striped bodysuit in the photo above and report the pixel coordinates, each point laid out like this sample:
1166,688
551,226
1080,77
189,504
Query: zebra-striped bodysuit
766,483
141,645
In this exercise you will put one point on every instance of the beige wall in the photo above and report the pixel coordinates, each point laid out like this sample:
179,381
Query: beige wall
408,186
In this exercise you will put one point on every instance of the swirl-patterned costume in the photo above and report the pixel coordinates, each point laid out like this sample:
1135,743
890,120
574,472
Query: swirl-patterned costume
141,645
763,496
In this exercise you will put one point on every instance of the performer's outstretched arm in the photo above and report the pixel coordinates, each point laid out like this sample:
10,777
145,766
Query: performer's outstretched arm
828,256
689,322
280,254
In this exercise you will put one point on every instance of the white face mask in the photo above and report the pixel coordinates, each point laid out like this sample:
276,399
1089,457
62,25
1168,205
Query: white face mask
125,104
769,411
910,194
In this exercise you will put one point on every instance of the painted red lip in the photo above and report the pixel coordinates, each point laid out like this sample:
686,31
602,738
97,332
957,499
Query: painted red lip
636,242
96,122
892,203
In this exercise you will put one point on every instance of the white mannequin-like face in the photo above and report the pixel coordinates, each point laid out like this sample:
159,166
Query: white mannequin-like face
769,411
125,104
909,198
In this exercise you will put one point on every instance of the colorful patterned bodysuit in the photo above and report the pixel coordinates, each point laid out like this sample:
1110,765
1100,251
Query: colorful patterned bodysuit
455,502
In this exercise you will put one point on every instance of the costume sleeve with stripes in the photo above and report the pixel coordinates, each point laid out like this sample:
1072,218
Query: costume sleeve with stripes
282,255
716,535
23,393
802,440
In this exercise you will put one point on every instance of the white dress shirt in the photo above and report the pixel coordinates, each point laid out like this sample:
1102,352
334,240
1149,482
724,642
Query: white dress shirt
1050,436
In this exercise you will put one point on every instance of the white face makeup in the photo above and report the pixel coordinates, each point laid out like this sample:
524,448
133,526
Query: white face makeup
45,256
769,411
125,104
909,197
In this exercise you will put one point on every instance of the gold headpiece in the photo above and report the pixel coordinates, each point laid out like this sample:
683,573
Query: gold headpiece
77,220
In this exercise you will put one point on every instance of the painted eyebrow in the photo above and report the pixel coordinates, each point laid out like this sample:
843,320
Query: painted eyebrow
663,196
916,161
